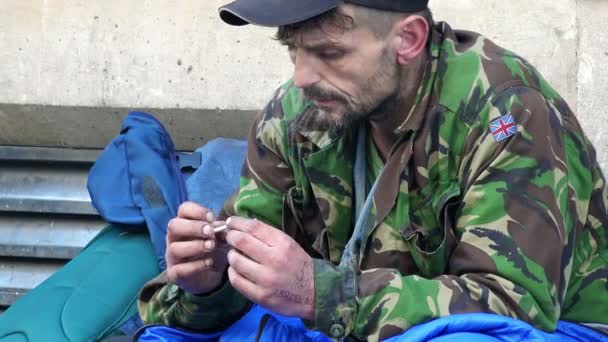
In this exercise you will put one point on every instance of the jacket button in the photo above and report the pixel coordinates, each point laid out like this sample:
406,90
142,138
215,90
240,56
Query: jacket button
336,331
408,231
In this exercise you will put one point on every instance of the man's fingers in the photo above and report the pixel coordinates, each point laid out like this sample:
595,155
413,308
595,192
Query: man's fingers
193,211
181,250
261,231
249,245
188,269
253,271
247,288
180,229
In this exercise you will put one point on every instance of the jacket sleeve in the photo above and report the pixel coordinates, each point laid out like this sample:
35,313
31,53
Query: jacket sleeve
521,201
265,178
162,302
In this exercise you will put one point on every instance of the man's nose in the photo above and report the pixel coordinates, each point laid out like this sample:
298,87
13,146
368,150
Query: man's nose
304,74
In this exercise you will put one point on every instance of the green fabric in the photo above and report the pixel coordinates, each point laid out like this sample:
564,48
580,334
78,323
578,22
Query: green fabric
198,311
90,297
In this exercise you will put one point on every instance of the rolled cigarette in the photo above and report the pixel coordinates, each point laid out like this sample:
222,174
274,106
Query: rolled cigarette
220,229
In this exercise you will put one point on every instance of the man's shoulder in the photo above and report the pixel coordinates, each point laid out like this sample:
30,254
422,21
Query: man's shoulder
275,123
473,71
286,104
288,120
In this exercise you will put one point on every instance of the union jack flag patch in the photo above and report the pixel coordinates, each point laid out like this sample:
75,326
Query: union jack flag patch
503,128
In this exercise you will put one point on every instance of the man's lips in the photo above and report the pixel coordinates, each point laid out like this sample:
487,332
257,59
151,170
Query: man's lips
323,101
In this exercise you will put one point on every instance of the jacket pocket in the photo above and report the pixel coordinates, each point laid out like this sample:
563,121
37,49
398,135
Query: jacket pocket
304,225
431,232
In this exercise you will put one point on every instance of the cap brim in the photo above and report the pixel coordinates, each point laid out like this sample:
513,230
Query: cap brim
273,13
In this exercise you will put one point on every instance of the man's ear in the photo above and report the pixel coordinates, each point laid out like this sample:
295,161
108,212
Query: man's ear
412,33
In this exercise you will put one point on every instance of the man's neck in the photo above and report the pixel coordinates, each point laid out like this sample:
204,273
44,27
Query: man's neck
392,113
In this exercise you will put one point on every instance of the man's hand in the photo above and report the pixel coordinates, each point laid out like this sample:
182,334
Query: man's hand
270,268
196,259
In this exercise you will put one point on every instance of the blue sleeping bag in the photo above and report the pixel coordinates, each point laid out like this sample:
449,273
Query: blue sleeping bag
260,324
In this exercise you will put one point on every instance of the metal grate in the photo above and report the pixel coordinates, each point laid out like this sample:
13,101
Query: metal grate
46,217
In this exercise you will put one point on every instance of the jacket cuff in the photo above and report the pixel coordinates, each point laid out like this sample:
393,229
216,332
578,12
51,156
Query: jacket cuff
212,312
335,299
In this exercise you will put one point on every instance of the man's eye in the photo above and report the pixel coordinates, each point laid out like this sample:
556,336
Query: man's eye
331,54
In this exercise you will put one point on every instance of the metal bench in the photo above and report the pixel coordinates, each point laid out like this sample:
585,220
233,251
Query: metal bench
46,217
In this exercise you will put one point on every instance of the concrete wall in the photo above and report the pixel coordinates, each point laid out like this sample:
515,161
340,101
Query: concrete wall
70,69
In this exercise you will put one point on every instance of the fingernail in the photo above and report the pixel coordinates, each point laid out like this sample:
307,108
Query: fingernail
228,221
207,230
209,262
209,216
209,244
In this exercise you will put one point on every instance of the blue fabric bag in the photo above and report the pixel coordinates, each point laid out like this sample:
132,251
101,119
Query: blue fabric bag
137,181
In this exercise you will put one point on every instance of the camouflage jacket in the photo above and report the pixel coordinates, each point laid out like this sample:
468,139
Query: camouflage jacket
461,222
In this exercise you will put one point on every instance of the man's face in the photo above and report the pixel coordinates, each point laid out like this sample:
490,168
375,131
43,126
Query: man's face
347,73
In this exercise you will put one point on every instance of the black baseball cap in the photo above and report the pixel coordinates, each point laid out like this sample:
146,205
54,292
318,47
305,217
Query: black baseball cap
275,13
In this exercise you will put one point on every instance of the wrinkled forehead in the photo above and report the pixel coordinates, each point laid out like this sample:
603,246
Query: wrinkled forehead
332,28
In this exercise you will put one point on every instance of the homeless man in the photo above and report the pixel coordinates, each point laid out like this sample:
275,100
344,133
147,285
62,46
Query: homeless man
407,172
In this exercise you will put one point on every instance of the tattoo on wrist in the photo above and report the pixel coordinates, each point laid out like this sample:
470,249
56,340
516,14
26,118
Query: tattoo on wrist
292,297
306,278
